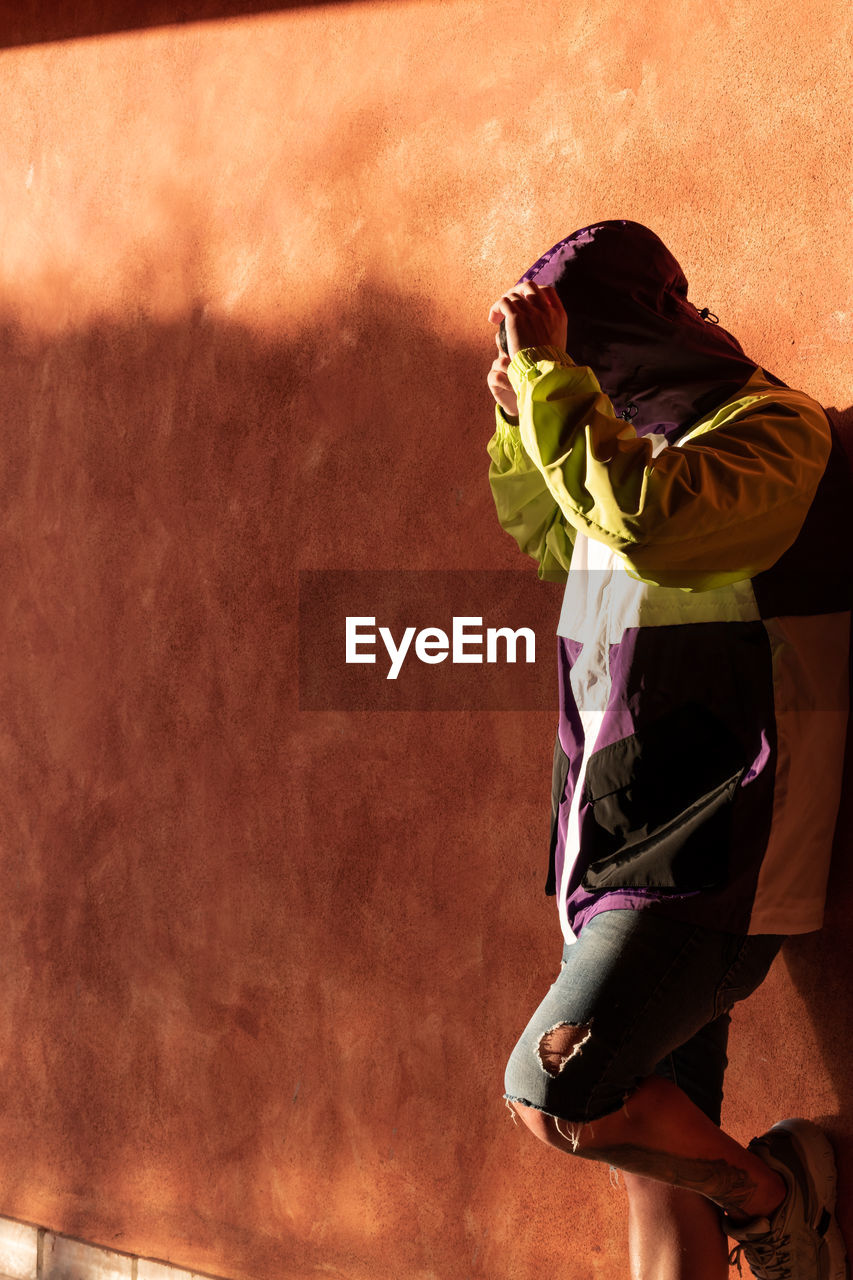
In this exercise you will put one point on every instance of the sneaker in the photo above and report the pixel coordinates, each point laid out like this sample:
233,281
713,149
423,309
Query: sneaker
802,1239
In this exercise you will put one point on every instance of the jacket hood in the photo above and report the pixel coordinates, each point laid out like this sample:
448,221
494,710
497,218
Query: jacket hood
657,357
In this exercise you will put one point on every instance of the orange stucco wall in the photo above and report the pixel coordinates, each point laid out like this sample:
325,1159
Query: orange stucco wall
260,968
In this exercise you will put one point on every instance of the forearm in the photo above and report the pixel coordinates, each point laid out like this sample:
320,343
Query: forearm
526,508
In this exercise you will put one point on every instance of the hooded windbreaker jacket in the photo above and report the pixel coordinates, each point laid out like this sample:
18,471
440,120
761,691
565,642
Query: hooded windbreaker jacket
691,502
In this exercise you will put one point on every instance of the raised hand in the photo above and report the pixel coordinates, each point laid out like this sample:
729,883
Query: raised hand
534,315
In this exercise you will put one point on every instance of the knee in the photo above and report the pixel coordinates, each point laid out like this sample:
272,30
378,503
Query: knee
548,1129
548,1077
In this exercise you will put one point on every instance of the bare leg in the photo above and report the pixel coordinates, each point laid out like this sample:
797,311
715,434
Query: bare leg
660,1133
673,1234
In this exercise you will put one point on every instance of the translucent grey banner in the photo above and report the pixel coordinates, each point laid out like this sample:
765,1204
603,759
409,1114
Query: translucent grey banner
486,640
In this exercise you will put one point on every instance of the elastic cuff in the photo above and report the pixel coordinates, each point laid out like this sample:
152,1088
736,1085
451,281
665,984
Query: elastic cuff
527,361
504,422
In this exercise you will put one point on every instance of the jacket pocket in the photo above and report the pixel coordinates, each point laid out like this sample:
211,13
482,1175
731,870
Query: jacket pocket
659,805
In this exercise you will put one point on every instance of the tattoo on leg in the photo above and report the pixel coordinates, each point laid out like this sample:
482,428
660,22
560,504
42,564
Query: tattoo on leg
725,1184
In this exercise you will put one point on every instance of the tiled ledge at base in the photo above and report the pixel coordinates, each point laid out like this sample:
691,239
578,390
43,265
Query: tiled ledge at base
34,1253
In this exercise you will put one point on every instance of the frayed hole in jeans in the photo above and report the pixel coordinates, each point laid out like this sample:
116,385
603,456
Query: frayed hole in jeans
559,1044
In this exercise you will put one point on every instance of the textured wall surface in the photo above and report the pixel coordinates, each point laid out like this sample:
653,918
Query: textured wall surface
260,968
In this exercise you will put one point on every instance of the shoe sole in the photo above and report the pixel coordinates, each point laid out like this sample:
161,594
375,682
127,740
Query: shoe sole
815,1151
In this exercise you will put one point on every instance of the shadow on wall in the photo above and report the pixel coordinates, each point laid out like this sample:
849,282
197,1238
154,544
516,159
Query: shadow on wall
174,857
29,22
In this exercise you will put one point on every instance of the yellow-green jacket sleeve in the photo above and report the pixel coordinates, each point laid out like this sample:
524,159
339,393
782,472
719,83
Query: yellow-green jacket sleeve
526,508
722,505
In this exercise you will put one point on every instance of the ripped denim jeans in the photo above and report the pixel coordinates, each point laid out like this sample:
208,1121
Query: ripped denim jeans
643,995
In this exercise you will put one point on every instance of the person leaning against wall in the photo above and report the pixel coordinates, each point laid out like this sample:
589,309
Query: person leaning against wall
689,501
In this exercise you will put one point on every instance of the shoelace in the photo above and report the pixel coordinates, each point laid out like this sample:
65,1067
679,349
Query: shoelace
765,1254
